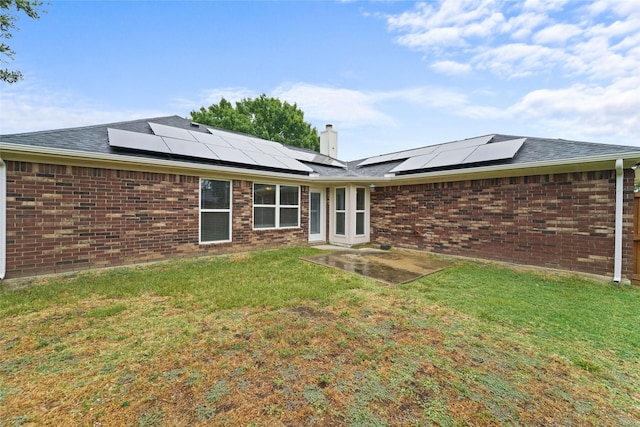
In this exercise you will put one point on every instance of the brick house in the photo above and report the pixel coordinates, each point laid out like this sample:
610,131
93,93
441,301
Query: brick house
162,188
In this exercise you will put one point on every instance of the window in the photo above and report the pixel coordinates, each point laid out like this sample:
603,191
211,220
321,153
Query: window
360,210
341,211
315,213
276,206
215,211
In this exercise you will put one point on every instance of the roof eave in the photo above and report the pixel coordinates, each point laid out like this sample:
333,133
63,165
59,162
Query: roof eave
581,164
22,152
19,152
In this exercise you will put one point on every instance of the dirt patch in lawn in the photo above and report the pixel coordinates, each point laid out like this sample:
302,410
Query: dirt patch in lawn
393,268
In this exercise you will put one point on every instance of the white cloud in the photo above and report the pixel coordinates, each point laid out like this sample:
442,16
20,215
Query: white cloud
587,111
519,59
520,27
213,96
451,67
620,7
598,40
346,107
558,33
544,5
29,107
436,37
428,27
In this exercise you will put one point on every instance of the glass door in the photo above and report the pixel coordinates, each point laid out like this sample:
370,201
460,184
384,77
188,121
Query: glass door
316,216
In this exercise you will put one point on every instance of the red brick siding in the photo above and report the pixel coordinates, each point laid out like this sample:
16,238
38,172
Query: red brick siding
62,218
563,221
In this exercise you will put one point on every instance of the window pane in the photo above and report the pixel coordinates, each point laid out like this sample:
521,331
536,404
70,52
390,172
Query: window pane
340,223
288,195
288,217
264,194
264,217
215,194
340,197
360,198
214,226
314,213
360,223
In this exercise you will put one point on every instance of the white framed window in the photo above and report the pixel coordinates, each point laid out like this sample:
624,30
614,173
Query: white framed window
341,211
215,211
276,206
361,199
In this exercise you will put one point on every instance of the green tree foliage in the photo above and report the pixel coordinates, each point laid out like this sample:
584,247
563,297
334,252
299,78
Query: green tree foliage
264,117
8,9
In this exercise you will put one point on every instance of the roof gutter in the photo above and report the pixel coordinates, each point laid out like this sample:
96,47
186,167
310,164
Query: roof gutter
580,164
617,251
3,219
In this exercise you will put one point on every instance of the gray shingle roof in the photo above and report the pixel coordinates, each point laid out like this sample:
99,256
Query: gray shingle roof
94,139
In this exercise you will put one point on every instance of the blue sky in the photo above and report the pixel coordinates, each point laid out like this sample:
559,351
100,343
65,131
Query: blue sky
388,75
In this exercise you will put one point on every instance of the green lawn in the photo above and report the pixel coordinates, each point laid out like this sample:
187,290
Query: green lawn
264,339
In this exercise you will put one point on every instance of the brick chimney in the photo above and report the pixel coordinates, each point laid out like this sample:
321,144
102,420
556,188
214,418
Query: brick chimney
329,142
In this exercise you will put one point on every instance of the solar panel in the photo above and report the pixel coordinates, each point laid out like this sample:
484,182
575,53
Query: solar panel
136,141
256,140
462,155
216,145
239,142
471,142
449,158
293,164
207,138
228,154
378,159
434,160
191,149
172,132
414,163
496,151
271,149
406,154
317,158
263,159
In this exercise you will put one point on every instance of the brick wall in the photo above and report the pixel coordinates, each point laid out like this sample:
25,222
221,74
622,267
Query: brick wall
65,218
562,221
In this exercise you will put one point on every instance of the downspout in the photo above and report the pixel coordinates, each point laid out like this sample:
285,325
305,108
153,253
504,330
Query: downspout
3,219
617,260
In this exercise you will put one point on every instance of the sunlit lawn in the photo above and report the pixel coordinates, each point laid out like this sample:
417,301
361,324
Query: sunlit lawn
265,339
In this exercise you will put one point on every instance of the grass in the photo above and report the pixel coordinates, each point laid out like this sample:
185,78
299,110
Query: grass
265,339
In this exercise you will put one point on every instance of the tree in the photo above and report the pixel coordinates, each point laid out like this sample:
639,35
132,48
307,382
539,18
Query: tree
264,117
7,25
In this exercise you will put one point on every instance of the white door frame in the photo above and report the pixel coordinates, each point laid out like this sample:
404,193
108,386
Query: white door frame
350,237
321,236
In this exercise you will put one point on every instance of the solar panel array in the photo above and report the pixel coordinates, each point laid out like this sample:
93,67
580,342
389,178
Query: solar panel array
401,155
235,148
220,146
461,155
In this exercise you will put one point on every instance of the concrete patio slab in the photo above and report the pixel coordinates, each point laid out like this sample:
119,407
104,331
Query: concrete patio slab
390,267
